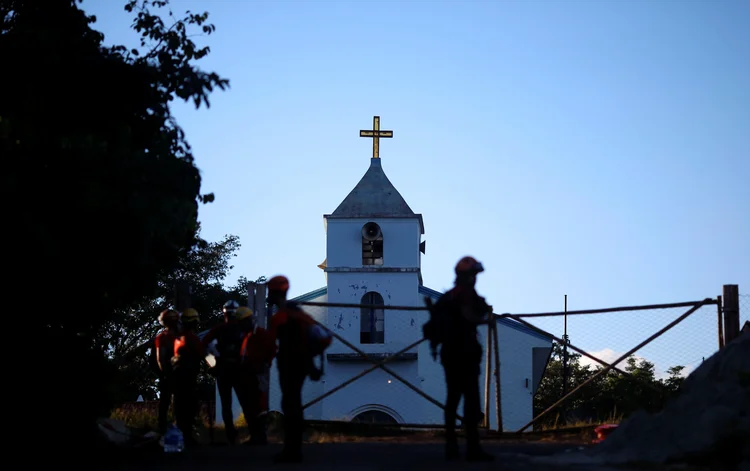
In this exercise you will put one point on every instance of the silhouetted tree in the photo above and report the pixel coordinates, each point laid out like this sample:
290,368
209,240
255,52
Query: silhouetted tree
610,396
102,190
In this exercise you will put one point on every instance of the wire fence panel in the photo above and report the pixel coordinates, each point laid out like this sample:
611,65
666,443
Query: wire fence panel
652,374
409,388
744,309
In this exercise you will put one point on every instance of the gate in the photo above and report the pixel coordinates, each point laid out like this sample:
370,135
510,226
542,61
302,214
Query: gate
413,348
672,335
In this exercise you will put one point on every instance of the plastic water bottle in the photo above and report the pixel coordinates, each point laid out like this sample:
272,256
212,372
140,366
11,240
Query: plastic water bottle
174,442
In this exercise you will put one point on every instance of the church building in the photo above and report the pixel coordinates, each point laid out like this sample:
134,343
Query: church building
373,257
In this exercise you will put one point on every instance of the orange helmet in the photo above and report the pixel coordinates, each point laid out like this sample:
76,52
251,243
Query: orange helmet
168,316
278,283
468,266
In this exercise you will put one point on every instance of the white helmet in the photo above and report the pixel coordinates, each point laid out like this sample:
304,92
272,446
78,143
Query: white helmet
230,306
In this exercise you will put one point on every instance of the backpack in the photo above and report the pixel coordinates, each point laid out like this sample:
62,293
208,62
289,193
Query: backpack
317,339
229,342
434,330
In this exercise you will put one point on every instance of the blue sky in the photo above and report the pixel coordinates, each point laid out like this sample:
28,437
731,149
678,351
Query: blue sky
595,149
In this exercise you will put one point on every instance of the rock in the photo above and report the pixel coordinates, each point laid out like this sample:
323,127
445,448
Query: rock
115,431
708,421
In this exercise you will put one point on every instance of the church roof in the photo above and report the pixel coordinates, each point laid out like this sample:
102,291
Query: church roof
374,197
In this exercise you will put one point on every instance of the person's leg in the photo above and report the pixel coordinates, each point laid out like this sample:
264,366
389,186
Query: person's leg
453,384
291,382
471,416
186,406
256,423
165,399
180,394
224,384
245,385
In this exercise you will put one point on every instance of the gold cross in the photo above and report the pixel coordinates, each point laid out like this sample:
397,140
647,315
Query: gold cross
376,134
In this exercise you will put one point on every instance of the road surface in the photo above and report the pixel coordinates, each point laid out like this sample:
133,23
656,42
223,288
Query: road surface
356,456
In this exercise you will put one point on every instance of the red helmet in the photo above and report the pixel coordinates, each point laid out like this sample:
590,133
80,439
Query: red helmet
278,283
168,317
468,266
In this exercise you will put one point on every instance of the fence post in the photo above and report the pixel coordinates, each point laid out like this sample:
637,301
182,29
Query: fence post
498,390
261,314
720,321
487,375
731,299
261,320
251,295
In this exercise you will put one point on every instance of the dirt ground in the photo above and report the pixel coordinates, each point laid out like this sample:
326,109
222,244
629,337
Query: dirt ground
351,456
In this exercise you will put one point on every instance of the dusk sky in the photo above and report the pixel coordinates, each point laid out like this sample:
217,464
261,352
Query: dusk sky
599,149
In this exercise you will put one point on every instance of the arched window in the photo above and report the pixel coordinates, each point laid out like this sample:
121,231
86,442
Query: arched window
374,417
372,244
371,319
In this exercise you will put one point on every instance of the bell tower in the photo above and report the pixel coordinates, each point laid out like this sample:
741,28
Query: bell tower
373,256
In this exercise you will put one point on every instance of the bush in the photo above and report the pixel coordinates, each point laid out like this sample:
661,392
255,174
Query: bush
144,416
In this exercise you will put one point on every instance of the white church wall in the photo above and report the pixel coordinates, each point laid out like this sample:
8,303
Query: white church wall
401,237
516,372
399,289
377,390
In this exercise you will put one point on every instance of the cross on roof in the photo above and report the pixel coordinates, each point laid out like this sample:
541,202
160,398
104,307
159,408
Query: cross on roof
375,133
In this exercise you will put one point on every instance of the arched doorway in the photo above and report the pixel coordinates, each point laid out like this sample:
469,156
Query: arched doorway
374,417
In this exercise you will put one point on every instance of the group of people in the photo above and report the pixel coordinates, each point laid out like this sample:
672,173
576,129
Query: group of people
244,351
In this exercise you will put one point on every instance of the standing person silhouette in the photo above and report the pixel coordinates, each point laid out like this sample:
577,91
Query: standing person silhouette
460,311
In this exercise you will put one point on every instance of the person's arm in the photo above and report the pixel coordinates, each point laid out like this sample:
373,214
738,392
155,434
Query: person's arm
471,307
277,321
164,350
210,336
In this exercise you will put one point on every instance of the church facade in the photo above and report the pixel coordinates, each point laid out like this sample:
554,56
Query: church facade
373,258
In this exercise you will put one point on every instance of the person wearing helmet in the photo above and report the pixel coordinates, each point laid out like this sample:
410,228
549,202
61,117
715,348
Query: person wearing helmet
228,337
162,353
189,354
258,351
462,310
291,326
230,308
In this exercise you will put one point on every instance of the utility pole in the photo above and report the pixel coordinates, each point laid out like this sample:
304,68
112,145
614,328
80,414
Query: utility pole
565,353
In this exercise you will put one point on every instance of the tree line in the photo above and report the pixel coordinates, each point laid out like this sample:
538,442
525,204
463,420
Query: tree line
125,337
609,397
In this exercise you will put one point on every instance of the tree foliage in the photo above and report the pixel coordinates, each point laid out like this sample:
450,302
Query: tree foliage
608,397
102,190
126,337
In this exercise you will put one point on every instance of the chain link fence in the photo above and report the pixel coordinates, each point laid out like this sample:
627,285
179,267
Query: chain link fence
620,359
379,369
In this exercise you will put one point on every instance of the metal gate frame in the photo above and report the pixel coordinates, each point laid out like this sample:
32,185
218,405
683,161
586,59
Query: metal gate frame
376,363
607,367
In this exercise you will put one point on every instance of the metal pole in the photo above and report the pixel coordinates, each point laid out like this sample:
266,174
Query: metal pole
731,300
623,357
487,373
498,390
565,356
721,322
